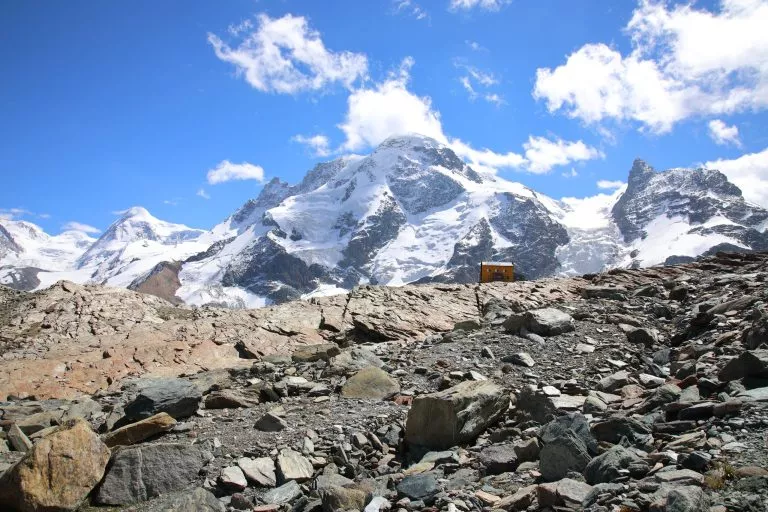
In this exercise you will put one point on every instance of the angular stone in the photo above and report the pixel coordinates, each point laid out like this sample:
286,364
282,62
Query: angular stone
544,322
563,454
139,431
456,415
521,500
520,359
643,336
312,353
260,471
370,383
613,430
197,500
593,405
336,498
614,382
565,492
687,499
286,493
680,477
57,473
270,423
528,450
751,363
353,360
18,439
293,466
606,467
228,399
138,473
498,458
418,487
232,479
177,397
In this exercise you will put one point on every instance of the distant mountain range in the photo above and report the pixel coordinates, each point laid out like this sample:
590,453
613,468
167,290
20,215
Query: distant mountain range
411,211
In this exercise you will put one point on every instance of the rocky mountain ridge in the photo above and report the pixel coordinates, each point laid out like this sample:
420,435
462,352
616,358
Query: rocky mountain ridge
635,389
411,211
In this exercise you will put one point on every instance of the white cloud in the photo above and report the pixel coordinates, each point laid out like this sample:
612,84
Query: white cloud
467,84
389,108
544,154
44,215
610,185
489,5
723,134
749,172
14,213
411,8
684,62
285,55
474,79
171,202
79,226
570,174
494,98
319,144
202,193
228,171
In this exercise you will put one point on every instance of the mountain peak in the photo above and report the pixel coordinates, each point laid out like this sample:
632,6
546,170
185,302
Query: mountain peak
136,212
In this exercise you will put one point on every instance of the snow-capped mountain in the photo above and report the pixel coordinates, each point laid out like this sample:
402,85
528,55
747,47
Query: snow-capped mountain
411,211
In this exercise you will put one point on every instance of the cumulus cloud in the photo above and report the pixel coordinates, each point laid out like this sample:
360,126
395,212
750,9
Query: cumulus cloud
684,62
79,226
749,172
488,5
543,154
723,134
228,171
570,174
285,55
318,144
610,185
202,193
389,108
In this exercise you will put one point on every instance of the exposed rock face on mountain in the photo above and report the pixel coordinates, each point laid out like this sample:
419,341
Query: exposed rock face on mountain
410,212
639,389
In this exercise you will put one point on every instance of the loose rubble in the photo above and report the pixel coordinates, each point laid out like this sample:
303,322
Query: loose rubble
613,392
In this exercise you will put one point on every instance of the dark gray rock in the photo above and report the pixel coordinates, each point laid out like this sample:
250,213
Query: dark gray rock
687,499
561,455
138,473
498,458
751,363
418,487
286,493
613,430
197,500
177,397
606,468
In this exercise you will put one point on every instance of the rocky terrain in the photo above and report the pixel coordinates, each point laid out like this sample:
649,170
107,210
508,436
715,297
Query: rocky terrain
639,389
410,212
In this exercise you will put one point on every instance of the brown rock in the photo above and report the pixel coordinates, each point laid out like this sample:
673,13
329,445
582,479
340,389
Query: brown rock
58,472
139,431
372,383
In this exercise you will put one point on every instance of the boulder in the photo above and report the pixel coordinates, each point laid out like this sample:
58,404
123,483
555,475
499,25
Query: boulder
606,467
311,353
337,498
687,499
177,397
498,458
455,415
293,466
370,383
751,363
418,487
232,479
270,423
520,359
228,399
58,472
614,382
197,500
139,473
757,334
613,430
353,360
643,336
18,439
260,471
565,492
286,493
561,455
544,322
574,423
139,431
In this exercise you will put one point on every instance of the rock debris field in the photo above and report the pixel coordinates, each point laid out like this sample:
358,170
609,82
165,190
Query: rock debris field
632,390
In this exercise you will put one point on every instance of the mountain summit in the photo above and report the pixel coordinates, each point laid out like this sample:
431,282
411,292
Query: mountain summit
411,211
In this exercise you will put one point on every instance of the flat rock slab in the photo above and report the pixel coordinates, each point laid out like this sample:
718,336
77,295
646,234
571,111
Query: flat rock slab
312,353
197,500
58,472
544,322
286,493
456,415
293,466
139,473
260,471
139,431
370,383
565,492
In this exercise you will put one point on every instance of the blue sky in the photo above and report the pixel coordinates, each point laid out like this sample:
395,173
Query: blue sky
106,105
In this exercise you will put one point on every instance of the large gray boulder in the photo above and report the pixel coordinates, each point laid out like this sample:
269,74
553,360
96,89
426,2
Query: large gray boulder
544,322
606,468
139,473
197,500
456,415
177,397
561,455
752,363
